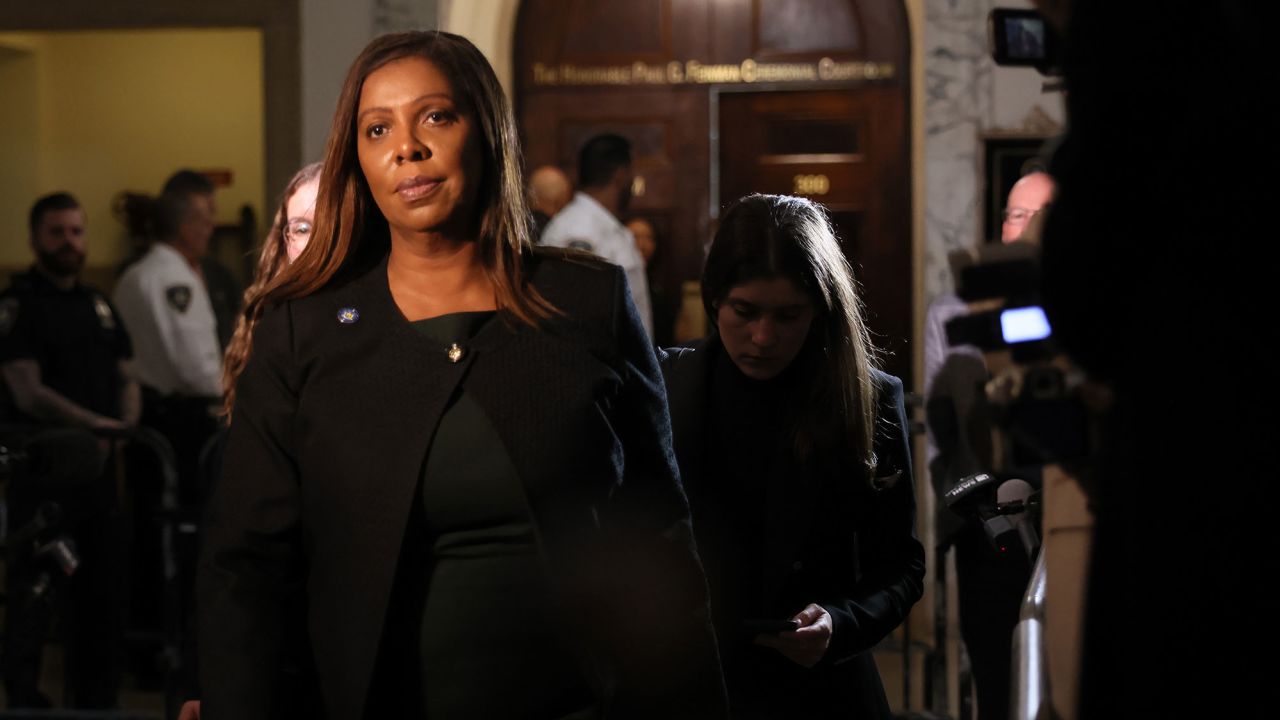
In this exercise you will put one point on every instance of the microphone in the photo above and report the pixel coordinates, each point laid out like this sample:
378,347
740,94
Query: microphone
1013,498
1014,493
968,494
999,506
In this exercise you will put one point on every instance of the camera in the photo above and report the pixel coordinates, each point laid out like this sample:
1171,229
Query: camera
1032,393
1023,38
1003,281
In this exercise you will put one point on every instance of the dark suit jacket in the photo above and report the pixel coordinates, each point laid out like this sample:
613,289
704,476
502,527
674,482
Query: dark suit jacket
330,432
851,549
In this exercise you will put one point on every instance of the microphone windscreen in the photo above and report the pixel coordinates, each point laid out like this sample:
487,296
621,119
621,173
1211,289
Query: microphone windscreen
1013,489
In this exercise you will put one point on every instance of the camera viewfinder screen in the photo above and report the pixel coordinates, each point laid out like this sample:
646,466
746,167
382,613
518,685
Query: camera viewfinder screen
1024,324
1024,38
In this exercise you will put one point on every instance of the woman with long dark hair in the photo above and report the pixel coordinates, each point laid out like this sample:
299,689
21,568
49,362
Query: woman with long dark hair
455,450
795,454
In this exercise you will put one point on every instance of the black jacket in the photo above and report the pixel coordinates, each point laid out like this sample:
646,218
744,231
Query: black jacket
840,544
330,432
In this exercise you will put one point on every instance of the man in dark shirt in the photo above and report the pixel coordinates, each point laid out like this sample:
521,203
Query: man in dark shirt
62,346
62,356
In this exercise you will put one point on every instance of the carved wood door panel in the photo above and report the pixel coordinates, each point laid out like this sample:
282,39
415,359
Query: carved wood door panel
840,148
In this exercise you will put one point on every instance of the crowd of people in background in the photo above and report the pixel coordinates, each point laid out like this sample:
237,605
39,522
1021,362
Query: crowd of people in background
445,462
150,354
163,348
176,347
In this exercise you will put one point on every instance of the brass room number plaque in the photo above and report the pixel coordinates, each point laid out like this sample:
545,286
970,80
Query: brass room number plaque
810,185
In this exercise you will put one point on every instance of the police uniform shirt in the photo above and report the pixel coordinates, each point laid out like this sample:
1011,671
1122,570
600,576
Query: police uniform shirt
167,310
585,224
74,336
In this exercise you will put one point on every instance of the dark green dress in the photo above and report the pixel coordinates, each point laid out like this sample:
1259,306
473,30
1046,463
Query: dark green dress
489,644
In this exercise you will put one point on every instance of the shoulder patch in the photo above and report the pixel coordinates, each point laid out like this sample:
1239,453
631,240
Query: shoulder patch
8,315
179,297
580,244
105,317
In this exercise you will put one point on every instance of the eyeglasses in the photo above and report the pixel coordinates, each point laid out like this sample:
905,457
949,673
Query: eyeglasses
1019,215
298,231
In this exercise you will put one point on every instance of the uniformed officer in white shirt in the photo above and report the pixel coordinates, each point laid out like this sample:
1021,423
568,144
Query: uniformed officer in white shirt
590,221
177,359
166,308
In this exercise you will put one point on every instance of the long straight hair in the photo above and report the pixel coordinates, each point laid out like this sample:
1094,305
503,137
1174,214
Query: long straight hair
350,231
771,236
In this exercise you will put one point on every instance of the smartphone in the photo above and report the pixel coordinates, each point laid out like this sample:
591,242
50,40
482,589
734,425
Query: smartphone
770,626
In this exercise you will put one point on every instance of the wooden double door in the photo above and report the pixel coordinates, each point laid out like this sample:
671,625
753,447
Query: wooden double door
699,145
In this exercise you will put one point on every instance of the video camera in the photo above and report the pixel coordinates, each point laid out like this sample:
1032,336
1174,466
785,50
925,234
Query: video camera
1033,391
1010,274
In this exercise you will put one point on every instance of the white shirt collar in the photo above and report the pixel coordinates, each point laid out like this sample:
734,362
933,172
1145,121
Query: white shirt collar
594,207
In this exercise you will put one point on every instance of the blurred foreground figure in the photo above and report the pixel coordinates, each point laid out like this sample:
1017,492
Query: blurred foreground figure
1158,282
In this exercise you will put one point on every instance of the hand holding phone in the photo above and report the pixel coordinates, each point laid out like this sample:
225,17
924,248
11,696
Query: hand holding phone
804,645
770,626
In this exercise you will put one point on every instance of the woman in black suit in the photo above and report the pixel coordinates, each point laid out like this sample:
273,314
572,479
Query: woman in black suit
794,452
452,450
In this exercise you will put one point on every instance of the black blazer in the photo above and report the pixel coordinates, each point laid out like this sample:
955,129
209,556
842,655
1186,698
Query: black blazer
851,549
330,432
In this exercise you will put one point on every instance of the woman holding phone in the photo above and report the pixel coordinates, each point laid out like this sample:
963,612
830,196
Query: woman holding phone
794,452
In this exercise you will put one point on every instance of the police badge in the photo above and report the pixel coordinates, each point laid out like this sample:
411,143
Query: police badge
179,297
105,317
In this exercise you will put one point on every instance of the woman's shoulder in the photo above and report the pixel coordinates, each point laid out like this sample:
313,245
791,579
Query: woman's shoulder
547,265
580,284
888,387
890,402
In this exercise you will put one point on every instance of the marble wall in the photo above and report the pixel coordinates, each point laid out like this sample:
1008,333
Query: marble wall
332,33
968,98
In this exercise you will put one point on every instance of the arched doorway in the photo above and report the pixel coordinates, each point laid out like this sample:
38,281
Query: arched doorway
721,99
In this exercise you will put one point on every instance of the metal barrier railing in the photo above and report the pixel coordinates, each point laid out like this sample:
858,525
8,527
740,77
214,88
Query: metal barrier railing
1029,689
170,525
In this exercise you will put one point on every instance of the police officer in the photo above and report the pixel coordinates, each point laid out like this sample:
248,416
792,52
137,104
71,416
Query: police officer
167,309
63,353
223,288
178,362
164,303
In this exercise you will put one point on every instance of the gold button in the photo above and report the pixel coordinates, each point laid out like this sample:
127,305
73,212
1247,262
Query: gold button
455,353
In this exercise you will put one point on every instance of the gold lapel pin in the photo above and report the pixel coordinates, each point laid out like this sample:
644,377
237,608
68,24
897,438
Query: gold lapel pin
455,353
